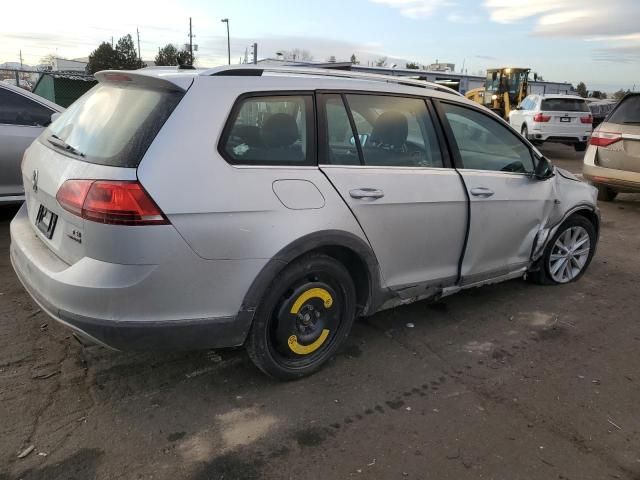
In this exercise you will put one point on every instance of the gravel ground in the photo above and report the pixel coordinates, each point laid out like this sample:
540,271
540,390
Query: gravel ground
512,381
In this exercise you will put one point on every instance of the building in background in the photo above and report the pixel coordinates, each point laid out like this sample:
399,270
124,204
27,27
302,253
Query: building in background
459,82
441,67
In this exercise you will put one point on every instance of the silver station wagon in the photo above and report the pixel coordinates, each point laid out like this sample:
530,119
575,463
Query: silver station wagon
270,207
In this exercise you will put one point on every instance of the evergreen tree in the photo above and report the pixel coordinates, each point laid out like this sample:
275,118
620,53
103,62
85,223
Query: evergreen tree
582,90
102,58
167,55
126,54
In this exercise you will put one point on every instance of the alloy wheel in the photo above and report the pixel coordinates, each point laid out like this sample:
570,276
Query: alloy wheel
569,254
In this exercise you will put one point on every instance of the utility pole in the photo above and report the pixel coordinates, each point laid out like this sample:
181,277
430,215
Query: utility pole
139,52
111,41
246,53
226,20
20,59
255,53
190,42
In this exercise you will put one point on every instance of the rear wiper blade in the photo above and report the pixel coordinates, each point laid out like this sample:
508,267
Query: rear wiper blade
56,141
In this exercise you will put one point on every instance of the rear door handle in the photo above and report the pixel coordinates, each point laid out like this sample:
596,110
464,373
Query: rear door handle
483,192
372,193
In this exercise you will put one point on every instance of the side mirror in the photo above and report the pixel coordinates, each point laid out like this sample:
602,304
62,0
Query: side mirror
544,168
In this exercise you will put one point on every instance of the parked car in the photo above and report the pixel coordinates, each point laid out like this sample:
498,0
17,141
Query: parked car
554,118
612,162
269,207
600,109
23,117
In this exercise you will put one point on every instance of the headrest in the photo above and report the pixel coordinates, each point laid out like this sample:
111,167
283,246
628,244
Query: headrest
391,129
279,130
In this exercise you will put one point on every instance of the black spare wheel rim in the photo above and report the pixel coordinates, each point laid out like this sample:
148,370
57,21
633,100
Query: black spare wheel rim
306,320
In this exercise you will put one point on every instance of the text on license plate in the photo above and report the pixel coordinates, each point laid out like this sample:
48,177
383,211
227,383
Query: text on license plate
46,221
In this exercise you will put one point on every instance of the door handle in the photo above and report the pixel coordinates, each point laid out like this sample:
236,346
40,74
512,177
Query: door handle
369,193
483,192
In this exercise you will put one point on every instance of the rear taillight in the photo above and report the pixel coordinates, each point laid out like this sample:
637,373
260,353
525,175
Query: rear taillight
540,118
587,119
604,139
110,201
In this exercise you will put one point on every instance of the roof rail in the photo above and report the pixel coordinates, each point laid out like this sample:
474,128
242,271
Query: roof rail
259,70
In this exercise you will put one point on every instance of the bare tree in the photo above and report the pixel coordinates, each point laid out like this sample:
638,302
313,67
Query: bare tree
297,55
381,62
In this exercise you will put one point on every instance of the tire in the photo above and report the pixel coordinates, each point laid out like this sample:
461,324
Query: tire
312,295
606,194
580,147
525,132
545,275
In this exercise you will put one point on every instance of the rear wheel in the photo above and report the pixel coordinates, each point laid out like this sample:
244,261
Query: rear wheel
525,132
568,254
606,194
580,147
303,319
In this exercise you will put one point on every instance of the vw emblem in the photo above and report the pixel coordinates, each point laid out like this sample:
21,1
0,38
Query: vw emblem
35,180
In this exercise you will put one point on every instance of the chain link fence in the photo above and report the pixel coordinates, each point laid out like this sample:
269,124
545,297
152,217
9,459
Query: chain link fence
61,87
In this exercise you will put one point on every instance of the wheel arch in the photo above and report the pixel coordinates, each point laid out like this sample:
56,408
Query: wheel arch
354,253
589,212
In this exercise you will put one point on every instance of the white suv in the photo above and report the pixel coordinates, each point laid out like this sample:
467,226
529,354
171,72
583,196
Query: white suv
554,118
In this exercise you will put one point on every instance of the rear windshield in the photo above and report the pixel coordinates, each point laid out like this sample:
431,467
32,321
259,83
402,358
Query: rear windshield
113,125
628,111
564,105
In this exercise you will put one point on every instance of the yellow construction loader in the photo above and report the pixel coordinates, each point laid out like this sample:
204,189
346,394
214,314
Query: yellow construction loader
503,90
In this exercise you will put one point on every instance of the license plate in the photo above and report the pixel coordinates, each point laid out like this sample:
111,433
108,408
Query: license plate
46,221
565,119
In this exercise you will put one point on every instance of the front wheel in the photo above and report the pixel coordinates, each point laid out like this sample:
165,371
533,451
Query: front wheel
303,319
568,254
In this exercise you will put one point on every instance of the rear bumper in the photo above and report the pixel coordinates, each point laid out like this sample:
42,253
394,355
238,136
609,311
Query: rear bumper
620,180
551,137
104,292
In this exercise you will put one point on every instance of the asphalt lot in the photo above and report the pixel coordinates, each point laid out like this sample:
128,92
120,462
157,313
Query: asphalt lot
512,381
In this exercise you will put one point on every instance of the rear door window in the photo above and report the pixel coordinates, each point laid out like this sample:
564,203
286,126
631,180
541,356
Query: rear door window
270,130
16,109
113,125
564,105
627,111
394,131
486,144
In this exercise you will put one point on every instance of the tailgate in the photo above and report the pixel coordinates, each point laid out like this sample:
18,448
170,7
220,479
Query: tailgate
622,155
44,170
101,136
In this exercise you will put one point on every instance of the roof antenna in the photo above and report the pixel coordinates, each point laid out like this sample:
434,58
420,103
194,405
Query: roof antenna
182,65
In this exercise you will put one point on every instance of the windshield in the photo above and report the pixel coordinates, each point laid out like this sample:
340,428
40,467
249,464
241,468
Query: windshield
564,105
515,80
628,111
112,125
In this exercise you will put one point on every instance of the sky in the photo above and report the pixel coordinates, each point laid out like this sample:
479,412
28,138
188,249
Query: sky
594,41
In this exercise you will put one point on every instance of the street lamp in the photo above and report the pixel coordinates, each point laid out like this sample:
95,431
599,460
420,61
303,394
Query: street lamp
226,20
